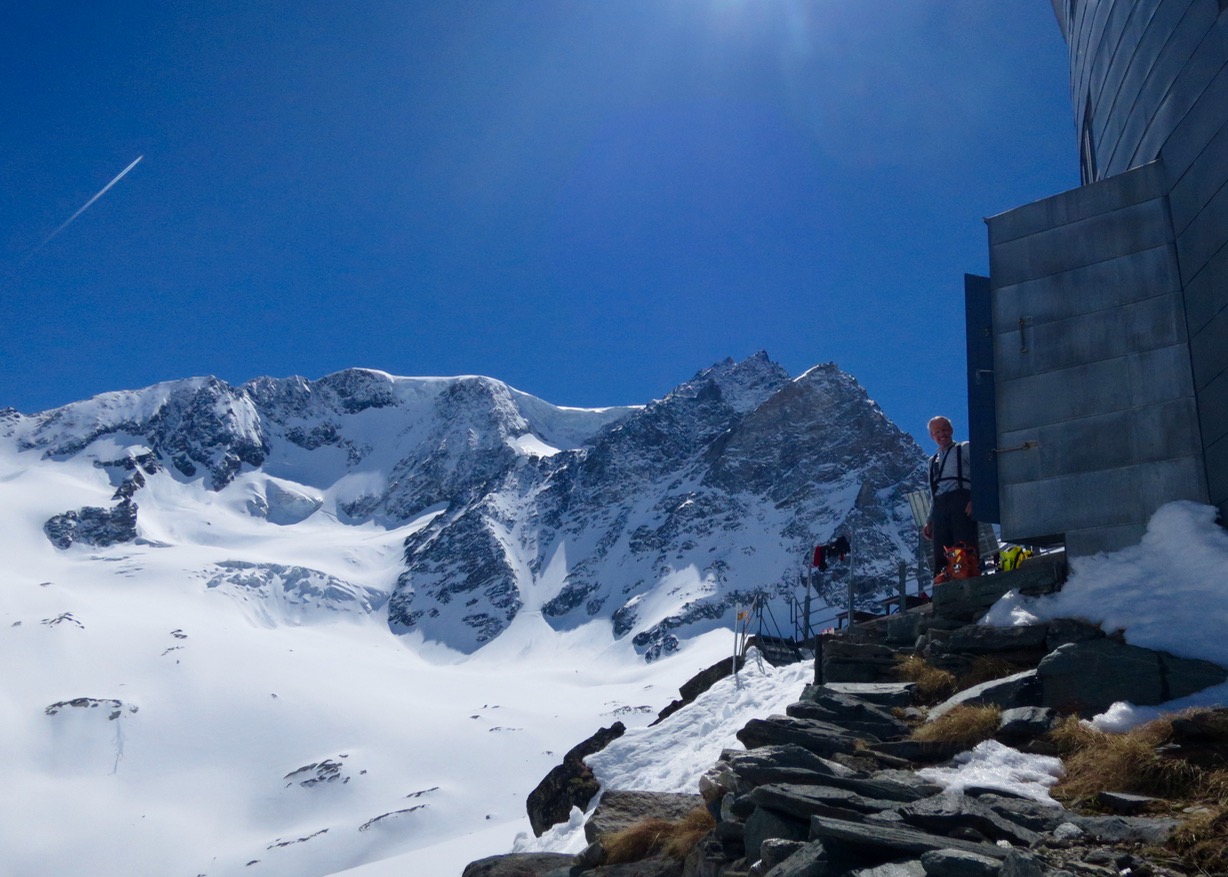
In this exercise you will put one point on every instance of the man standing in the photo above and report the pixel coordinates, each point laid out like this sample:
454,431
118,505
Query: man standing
950,521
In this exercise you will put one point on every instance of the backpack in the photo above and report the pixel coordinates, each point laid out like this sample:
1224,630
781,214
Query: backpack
1011,556
962,562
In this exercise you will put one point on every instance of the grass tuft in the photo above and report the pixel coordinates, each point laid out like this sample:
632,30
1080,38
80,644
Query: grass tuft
1202,842
963,725
985,668
675,839
932,684
1097,762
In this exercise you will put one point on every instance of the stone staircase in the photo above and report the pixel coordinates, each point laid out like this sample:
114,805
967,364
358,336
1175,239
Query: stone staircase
869,651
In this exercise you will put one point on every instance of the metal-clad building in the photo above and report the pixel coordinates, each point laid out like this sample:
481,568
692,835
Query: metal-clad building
1107,376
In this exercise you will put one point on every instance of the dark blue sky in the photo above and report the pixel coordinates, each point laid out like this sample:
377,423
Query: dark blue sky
589,199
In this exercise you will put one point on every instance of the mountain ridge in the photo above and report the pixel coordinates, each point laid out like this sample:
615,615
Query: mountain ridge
661,518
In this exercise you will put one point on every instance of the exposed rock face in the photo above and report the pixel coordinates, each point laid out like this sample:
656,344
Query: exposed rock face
820,792
714,492
110,706
570,784
93,526
289,590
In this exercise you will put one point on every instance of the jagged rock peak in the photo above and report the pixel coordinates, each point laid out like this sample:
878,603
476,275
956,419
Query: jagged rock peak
743,385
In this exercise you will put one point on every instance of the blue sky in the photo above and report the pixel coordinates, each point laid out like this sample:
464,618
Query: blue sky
588,199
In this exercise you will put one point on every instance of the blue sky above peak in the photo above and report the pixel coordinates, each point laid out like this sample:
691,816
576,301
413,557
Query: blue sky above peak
587,200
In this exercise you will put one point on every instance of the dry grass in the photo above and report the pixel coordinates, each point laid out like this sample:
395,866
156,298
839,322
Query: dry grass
1097,762
1194,774
985,668
1202,842
964,725
932,684
675,839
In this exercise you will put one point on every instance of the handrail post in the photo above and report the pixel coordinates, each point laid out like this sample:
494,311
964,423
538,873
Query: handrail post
850,586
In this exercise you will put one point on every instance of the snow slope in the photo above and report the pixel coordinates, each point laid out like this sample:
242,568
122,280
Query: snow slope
263,712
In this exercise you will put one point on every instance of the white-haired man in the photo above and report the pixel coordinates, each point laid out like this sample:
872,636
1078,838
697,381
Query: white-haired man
950,521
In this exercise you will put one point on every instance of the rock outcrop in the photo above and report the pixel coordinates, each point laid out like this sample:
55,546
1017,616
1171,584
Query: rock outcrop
832,788
582,513
570,784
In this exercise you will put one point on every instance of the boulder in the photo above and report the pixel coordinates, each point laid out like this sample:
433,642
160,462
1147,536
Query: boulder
946,813
810,861
765,824
802,802
1020,864
905,868
958,863
850,712
887,695
787,763
521,865
570,784
821,738
1131,829
774,851
889,842
1091,676
846,660
979,639
698,684
1009,692
1021,724
618,810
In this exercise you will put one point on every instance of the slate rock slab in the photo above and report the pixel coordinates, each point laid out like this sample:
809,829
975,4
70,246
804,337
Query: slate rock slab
847,661
883,694
1021,724
1125,804
811,861
1009,692
946,813
1092,675
892,869
920,752
1030,814
621,809
979,639
888,842
765,824
521,865
957,863
802,802
1116,829
821,738
856,715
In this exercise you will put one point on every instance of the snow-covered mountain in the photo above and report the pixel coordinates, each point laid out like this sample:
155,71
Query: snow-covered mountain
659,519
204,680
300,628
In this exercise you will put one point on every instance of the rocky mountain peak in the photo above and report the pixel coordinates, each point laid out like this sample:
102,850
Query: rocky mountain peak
658,520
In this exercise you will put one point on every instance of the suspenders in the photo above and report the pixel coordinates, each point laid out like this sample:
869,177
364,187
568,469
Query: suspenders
939,464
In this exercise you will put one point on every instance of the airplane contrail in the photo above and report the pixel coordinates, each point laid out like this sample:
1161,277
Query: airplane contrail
87,204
